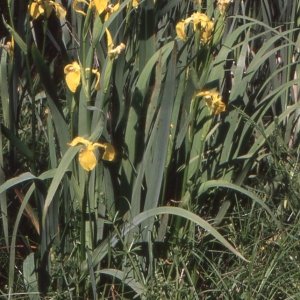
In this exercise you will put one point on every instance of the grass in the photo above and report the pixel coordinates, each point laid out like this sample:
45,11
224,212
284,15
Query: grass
201,198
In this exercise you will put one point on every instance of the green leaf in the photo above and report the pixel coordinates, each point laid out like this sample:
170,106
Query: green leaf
17,142
10,183
98,26
87,23
4,94
267,131
52,99
157,167
240,66
258,60
16,180
217,67
107,75
92,274
17,38
60,172
30,278
133,134
131,282
3,199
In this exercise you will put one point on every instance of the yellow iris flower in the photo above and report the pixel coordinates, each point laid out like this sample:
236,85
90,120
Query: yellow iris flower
100,5
87,157
72,72
201,22
45,7
213,102
223,5
135,3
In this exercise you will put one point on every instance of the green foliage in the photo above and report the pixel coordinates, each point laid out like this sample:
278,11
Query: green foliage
198,203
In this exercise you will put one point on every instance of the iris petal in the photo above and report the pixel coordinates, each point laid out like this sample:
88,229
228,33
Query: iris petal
72,72
87,157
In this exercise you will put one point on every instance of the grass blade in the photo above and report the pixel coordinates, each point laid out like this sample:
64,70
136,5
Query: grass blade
221,183
131,282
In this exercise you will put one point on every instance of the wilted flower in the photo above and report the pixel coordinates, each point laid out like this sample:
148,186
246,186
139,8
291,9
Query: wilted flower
97,73
110,10
87,158
77,9
213,102
45,7
72,72
201,23
110,46
9,46
115,52
223,5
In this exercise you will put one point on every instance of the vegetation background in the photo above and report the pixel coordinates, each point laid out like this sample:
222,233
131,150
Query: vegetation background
201,199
